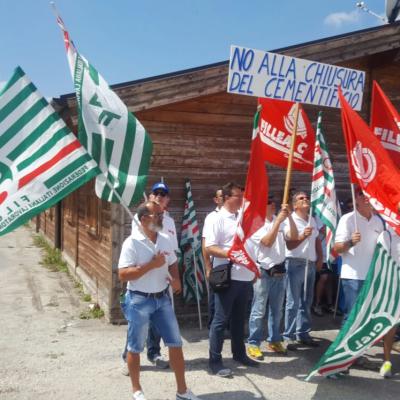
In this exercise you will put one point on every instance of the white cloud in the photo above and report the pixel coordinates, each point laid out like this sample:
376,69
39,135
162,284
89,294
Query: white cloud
341,18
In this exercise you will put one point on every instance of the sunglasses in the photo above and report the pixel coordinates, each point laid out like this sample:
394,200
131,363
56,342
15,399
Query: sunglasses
160,193
158,215
302,198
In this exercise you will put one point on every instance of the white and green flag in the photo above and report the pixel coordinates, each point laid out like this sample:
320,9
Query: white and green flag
192,258
109,131
41,161
323,194
376,311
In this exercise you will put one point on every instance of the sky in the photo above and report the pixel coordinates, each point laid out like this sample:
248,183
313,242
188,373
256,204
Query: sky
128,39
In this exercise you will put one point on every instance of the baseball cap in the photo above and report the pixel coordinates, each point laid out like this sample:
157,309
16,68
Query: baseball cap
160,186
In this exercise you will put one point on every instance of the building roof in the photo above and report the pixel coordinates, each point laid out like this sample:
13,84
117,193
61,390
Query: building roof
156,91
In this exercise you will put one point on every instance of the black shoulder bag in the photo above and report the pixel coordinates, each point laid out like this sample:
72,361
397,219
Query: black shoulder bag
220,277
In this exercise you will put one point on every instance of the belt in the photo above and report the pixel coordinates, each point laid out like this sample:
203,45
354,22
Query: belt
156,295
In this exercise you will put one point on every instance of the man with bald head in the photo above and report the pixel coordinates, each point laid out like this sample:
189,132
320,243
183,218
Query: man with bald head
148,263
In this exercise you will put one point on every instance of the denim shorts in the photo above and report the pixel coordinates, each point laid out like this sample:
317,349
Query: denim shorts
140,310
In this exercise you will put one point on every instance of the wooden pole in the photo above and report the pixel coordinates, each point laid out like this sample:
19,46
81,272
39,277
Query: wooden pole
290,160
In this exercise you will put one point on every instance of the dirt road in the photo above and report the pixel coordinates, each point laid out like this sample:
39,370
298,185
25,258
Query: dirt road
47,352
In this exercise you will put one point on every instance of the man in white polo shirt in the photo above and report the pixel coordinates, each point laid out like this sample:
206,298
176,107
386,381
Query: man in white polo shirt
307,247
356,247
268,245
230,304
147,258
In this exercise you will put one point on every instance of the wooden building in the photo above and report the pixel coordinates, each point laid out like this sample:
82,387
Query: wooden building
202,133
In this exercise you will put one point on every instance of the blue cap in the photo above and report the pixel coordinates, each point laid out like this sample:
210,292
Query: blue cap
160,186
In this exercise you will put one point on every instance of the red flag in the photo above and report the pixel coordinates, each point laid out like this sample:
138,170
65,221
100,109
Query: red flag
385,123
276,127
370,166
254,203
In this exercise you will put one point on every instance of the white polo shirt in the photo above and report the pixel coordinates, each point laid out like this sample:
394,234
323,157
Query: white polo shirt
356,261
208,222
306,249
267,257
138,250
168,229
222,235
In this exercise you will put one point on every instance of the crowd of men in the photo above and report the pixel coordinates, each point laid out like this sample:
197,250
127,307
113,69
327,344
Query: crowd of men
286,247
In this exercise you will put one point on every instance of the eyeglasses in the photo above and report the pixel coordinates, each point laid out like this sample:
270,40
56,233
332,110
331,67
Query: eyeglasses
302,198
160,193
158,215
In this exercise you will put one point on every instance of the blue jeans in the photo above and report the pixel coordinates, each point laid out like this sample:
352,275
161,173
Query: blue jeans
351,289
271,289
230,306
298,310
152,344
140,311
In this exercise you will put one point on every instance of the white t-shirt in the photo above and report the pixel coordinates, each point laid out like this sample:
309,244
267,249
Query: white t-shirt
222,235
168,229
267,257
208,222
306,249
356,261
138,250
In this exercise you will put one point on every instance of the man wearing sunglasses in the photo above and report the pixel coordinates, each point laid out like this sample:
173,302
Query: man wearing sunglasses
149,264
305,249
356,245
160,195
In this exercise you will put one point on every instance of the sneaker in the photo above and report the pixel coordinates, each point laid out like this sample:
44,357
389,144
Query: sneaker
160,362
277,347
188,395
255,352
386,370
138,395
290,344
309,342
218,369
125,369
317,310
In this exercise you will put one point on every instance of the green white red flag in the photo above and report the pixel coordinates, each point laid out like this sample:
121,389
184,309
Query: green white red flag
253,211
376,311
41,160
371,166
192,258
323,193
109,131
385,123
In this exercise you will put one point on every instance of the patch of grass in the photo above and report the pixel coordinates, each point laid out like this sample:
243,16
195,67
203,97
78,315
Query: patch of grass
87,297
94,312
52,258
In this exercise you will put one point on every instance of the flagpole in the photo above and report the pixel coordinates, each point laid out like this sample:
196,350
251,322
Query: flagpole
353,197
308,257
197,287
290,160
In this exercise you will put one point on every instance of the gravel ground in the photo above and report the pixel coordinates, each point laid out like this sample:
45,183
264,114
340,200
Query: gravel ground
48,352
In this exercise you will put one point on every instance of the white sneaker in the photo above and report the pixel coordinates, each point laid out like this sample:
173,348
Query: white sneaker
125,369
138,395
189,395
386,369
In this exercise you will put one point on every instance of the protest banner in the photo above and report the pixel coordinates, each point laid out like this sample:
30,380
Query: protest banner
271,75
